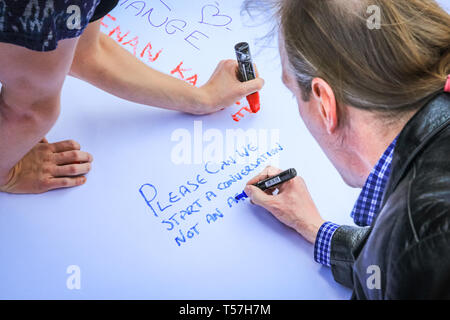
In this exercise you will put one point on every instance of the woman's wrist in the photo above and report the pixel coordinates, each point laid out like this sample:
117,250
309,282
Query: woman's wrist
195,101
203,100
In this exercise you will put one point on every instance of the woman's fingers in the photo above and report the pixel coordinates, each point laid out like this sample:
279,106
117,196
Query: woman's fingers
74,156
66,145
49,166
256,70
67,182
70,163
70,170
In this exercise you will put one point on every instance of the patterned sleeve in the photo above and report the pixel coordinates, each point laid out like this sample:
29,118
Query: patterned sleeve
39,24
322,245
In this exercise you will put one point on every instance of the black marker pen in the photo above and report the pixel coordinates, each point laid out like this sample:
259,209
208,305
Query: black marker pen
271,182
247,72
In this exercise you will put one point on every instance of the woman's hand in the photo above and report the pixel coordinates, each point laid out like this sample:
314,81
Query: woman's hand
293,204
49,166
223,89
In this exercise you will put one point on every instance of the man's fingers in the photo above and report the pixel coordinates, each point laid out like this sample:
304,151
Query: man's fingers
71,170
66,145
74,156
58,183
268,172
289,184
257,196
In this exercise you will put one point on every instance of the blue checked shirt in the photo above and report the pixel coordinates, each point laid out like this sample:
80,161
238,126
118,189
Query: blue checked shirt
366,207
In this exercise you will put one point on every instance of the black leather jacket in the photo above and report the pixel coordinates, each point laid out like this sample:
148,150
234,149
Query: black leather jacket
409,242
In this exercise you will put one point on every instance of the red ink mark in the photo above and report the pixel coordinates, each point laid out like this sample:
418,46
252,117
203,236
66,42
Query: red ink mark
179,70
193,80
119,36
238,103
240,114
109,16
133,42
246,108
149,48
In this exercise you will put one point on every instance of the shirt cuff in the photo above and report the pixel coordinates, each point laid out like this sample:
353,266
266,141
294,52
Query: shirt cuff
322,246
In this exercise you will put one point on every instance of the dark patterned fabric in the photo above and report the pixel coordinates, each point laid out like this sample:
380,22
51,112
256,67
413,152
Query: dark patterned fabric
39,24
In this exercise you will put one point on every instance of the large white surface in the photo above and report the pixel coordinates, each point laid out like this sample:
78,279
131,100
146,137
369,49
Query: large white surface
106,228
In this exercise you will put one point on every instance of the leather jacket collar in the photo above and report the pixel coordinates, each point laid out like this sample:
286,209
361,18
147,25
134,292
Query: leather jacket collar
425,124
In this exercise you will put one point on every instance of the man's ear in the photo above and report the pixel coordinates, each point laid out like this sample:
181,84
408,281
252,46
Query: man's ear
324,96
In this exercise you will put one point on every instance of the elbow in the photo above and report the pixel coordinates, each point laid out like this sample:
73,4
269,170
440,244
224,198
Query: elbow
36,114
45,115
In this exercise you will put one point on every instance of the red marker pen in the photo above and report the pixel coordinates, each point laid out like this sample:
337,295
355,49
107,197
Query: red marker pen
247,72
